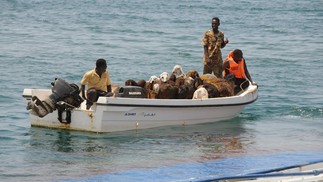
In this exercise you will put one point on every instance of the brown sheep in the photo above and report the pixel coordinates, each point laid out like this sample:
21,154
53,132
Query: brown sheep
140,83
207,77
130,83
151,94
186,90
212,90
165,91
192,73
149,86
225,88
183,91
179,81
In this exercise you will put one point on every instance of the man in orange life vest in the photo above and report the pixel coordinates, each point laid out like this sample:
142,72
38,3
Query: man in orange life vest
235,65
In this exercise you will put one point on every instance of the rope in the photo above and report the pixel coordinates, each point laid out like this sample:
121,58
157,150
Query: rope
242,84
62,102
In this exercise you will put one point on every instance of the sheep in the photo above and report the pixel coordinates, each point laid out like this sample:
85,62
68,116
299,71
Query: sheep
212,90
192,73
179,81
200,93
208,77
165,91
151,93
188,81
172,80
183,91
140,83
153,79
161,88
224,87
130,83
182,86
178,71
186,90
164,76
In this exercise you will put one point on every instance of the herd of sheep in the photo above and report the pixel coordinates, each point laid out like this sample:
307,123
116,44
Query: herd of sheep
189,85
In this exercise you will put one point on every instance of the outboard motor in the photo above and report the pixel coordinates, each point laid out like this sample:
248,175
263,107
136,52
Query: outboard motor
132,92
63,94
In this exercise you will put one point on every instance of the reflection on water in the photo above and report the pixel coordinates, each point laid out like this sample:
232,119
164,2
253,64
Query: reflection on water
214,147
73,153
218,137
220,140
63,142
66,141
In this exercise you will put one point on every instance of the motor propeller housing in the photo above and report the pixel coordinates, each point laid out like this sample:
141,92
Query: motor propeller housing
61,92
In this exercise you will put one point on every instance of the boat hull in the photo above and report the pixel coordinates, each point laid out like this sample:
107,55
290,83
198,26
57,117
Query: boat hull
111,114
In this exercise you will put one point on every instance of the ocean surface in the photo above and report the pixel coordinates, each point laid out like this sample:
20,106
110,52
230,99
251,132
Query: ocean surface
282,43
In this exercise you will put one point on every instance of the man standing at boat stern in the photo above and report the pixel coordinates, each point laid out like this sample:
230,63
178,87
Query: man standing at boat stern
98,82
213,41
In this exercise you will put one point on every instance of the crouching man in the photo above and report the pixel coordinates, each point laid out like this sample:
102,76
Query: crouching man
235,65
98,83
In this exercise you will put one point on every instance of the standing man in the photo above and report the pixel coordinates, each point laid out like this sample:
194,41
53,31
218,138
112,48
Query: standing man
213,41
98,81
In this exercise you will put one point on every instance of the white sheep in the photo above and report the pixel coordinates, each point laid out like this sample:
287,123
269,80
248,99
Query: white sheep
200,93
164,77
178,71
153,78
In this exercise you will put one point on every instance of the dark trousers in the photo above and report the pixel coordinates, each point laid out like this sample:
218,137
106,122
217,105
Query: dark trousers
215,68
93,95
240,84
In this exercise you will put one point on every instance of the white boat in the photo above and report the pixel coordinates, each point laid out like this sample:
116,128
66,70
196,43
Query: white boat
111,114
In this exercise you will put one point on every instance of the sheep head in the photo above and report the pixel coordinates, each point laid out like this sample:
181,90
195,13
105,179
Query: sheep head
178,71
201,93
164,77
153,79
192,73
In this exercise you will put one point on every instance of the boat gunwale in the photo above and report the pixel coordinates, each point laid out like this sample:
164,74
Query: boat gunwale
181,103
175,106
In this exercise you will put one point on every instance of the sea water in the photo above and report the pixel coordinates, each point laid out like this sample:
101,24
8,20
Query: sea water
282,42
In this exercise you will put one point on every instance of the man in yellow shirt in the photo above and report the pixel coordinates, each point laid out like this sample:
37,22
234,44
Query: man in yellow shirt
98,82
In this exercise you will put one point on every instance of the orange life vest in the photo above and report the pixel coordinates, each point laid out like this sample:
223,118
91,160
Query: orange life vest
236,68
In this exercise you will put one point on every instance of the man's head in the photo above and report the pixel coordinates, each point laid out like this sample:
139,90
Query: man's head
237,55
101,66
215,22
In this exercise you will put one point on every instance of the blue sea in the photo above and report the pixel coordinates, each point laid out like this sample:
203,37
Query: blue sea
282,41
